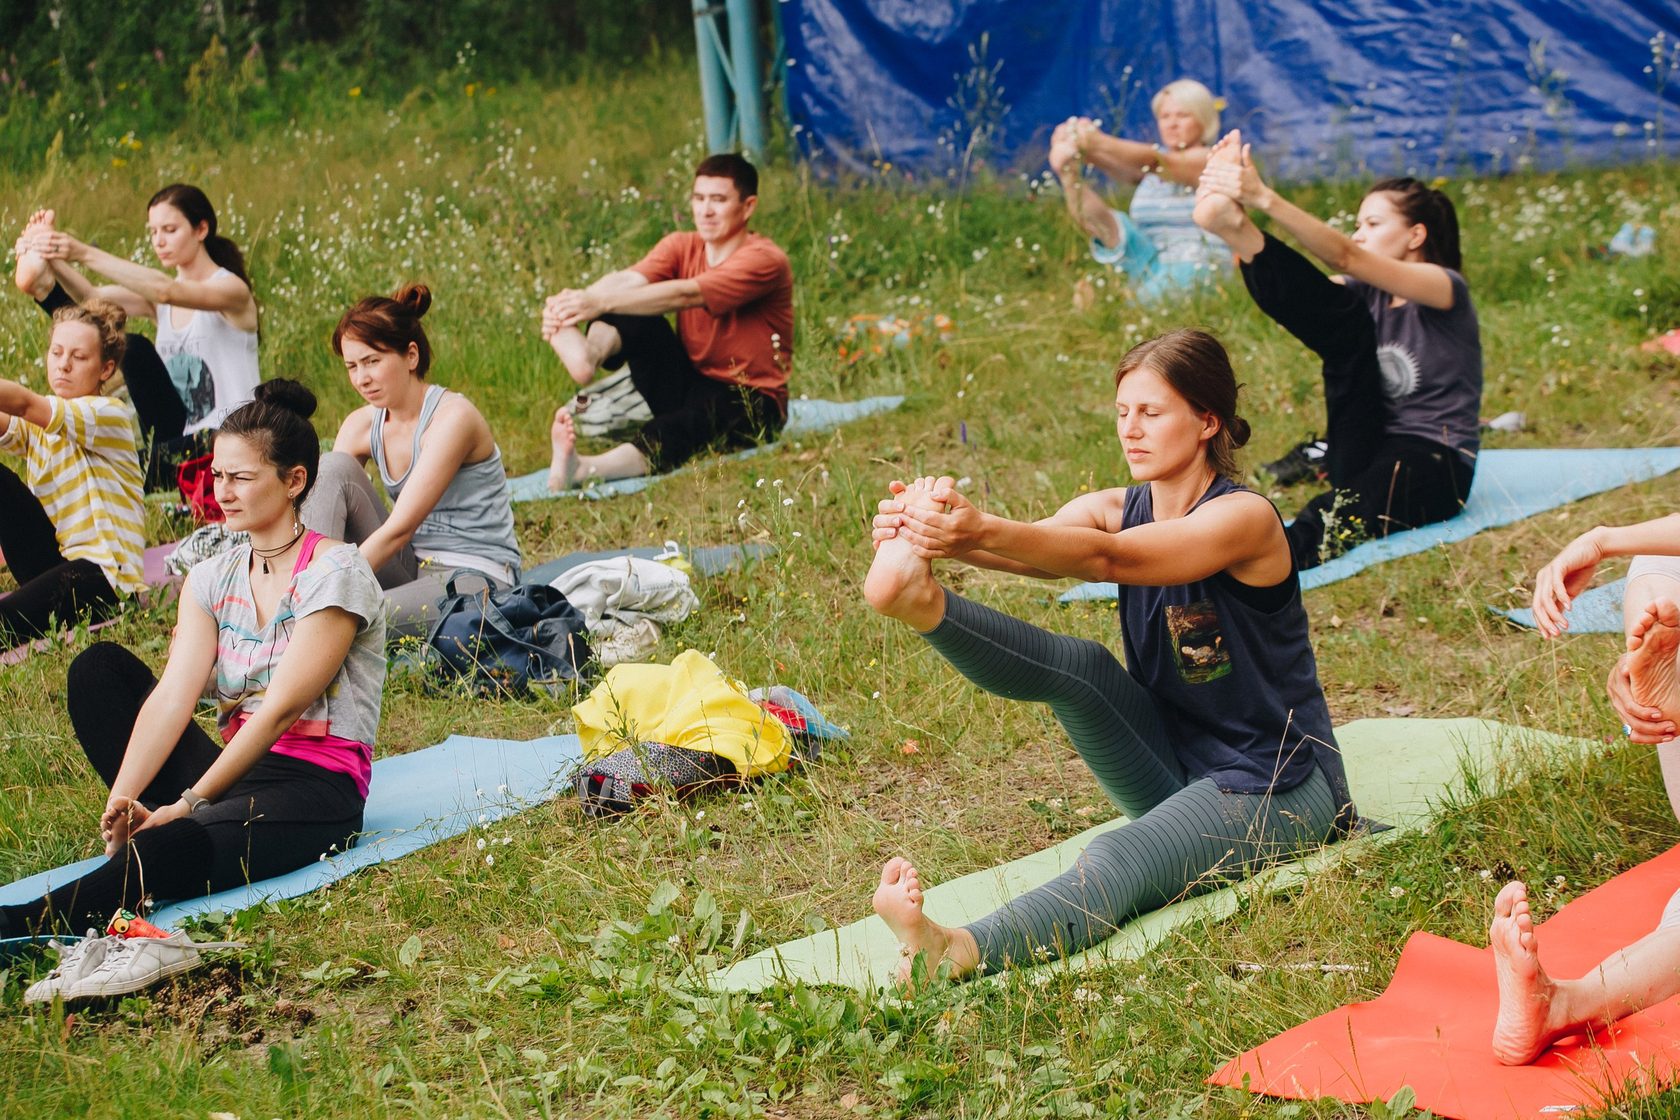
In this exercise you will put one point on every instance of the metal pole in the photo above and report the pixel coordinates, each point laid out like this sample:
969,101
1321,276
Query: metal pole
714,78
747,70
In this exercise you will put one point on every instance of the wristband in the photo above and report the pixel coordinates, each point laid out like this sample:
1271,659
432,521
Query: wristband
194,801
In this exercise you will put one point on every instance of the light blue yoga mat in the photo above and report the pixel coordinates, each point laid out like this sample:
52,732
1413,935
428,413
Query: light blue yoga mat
1597,610
712,560
1510,485
804,417
414,801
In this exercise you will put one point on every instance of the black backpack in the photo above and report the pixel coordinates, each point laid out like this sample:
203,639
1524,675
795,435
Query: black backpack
509,641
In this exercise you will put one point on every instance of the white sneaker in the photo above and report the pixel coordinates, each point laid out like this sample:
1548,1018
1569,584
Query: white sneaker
73,960
138,962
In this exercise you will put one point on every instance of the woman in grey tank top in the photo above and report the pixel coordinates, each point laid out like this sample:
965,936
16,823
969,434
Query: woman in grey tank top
436,458
1213,739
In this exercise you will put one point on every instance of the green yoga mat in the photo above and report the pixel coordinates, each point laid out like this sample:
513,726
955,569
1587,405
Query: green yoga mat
1400,771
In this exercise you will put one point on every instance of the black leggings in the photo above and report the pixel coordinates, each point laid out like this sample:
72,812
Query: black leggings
162,413
1380,483
282,815
691,412
50,588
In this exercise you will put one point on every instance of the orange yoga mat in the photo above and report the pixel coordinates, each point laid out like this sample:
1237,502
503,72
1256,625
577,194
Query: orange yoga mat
1431,1028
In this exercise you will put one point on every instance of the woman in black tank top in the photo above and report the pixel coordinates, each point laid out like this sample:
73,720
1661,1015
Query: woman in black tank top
1214,738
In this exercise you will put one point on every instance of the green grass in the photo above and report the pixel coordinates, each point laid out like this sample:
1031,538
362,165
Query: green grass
549,981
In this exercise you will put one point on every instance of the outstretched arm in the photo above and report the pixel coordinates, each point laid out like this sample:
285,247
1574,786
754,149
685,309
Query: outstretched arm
628,293
1417,281
1131,160
1239,533
1570,572
224,293
1101,510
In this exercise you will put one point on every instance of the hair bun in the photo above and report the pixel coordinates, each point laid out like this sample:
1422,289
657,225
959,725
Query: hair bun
109,313
416,299
1239,429
293,396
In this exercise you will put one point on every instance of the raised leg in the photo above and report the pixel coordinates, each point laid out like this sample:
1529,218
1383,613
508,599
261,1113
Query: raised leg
1222,215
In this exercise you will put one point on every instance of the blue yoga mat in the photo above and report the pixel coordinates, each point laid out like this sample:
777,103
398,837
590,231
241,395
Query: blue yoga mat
804,417
414,801
1510,485
712,560
1597,610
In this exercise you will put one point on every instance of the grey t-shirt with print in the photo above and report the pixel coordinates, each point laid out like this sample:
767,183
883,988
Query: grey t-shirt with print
1431,366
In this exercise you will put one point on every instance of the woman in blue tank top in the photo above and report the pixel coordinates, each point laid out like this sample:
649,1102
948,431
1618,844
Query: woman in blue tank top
1214,738
436,458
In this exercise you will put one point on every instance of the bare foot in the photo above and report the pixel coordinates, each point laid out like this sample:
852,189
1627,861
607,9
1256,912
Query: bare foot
563,468
573,350
33,275
1220,214
1525,1026
1653,643
898,900
900,584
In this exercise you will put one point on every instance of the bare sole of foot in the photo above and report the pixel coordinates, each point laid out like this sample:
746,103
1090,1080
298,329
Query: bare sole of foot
33,276
572,349
563,468
900,584
1221,216
1653,644
898,900
1524,1029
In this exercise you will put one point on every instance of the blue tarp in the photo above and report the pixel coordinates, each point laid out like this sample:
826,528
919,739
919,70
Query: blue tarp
1325,88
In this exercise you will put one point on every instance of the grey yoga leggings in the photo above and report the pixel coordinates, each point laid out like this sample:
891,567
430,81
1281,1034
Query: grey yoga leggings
1185,835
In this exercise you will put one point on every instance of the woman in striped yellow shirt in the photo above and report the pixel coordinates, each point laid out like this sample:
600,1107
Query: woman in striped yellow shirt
71,527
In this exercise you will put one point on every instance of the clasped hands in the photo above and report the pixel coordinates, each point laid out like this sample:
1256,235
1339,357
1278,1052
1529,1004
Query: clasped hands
1237,178
930,515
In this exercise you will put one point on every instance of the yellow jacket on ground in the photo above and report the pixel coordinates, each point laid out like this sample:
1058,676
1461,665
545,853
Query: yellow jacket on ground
688,703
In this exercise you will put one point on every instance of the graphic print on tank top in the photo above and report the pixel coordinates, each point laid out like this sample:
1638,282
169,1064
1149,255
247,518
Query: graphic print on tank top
190,375
1198,646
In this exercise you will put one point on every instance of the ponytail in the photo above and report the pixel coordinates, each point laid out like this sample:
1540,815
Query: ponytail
195,207
1433,210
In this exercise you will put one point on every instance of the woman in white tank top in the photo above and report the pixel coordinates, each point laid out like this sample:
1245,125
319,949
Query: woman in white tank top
435,455
204,364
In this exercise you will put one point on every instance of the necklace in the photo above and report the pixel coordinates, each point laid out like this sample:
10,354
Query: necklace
266,553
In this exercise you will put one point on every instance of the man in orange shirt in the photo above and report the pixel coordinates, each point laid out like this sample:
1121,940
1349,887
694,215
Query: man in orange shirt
719,380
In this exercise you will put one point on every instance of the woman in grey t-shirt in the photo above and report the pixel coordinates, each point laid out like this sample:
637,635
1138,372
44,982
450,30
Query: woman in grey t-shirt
286,634
1398,338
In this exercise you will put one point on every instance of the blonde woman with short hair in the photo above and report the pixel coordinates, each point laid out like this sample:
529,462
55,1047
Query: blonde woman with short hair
1157,245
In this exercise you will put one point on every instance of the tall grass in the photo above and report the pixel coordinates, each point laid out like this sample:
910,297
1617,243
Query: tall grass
550,981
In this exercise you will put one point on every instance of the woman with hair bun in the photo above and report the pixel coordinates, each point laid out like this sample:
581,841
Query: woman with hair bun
1157,246
436,458
1214,738
286,634
73,528
1398,338
204,363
